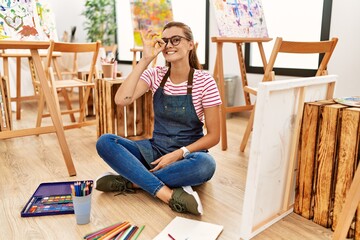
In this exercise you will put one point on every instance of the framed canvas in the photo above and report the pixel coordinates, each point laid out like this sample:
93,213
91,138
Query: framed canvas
193,13
293,21
270,183
152,14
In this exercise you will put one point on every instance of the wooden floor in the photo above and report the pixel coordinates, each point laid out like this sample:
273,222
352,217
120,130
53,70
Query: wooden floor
26,162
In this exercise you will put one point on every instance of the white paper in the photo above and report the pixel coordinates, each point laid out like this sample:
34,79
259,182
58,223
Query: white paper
187,229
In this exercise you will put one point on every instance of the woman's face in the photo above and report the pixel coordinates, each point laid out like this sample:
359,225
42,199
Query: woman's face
177,45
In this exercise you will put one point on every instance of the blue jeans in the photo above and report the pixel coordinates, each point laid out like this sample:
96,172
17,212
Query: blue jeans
123,156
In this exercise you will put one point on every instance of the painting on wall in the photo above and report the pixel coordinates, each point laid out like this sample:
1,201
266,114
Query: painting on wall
149,14
26,20
240,18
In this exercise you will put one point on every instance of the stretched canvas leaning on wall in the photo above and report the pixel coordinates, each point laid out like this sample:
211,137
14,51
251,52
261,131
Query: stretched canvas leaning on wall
240,18
26,20
270,189
148,14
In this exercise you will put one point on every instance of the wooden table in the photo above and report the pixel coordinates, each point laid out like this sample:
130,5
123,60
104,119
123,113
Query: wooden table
219,77
57,127
18,55
134,121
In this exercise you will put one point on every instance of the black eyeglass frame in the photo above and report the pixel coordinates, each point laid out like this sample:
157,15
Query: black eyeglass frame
171,39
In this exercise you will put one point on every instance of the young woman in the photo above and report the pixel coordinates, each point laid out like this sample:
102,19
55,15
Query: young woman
176,157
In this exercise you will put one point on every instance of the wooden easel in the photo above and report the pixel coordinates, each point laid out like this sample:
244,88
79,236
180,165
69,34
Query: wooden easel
18,56
57,127
219,77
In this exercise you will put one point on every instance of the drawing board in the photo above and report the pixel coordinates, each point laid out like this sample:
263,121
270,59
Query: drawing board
270,169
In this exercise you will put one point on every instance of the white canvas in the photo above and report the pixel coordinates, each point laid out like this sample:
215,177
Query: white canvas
274,125
240,18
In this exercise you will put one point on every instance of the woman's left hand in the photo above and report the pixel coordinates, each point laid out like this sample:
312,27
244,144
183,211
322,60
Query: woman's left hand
166,160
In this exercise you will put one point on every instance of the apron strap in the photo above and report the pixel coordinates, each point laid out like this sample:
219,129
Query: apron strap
166,76
189,83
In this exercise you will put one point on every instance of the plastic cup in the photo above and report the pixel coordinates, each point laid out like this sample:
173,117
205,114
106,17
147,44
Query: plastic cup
108,70
82,208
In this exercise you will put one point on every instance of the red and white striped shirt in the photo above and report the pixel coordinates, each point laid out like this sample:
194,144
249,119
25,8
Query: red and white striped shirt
204,93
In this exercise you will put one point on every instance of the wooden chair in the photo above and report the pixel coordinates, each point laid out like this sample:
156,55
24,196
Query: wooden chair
280,46
85,85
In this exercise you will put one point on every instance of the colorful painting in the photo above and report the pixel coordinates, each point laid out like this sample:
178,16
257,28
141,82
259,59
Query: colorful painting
240,18
149,14
25,20
46,19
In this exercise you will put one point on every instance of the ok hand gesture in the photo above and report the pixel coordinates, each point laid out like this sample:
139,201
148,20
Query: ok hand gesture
152,44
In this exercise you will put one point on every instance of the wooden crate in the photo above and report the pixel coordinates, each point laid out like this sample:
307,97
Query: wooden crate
327,159
134,121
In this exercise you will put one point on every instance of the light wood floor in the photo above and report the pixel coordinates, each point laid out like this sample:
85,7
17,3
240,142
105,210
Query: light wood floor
27,162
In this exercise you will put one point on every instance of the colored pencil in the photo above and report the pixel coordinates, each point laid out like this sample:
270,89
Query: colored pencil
138,233
103,230
131,233
115,231
81,188
126,233
119,235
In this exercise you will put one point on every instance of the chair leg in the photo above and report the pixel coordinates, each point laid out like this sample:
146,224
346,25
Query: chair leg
68,103
248,130
83,104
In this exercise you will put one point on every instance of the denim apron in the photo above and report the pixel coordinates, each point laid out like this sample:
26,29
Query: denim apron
176,123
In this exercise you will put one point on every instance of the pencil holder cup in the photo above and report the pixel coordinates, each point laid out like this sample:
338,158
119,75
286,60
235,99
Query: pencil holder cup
82,208
108,70
115,69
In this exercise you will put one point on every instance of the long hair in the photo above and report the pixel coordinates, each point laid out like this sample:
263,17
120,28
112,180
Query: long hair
193,58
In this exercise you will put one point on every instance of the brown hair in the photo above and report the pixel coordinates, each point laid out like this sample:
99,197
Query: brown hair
193,59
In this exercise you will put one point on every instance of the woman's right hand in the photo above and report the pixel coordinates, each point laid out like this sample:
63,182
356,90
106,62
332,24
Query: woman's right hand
152,44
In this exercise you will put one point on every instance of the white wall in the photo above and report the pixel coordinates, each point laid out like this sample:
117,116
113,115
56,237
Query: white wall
68,14
344,25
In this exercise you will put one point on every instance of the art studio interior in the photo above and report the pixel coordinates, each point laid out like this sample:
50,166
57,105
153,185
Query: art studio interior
253,134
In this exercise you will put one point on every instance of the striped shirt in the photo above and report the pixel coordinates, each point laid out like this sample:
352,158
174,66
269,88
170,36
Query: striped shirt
205,93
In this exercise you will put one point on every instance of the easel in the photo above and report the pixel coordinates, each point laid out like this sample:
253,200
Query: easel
57,127
219,76
17,55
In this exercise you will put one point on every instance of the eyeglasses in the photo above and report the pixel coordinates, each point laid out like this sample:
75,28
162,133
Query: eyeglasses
175,40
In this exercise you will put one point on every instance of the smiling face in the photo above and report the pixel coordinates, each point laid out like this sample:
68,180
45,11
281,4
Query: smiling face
180,52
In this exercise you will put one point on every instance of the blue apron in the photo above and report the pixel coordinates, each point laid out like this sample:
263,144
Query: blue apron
176,123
